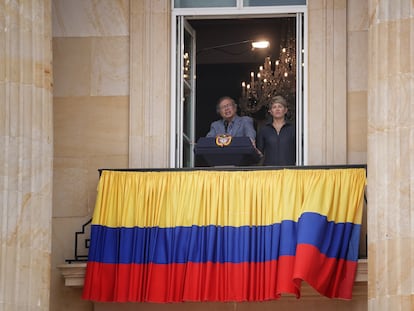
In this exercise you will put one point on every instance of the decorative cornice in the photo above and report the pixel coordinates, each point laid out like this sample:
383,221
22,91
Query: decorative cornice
73,273
362,271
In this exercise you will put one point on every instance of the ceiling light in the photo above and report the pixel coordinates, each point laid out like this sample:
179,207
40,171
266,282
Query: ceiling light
260,44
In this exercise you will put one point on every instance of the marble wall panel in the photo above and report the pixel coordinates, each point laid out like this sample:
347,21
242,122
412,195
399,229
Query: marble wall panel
357,15
154,159
70,192
355,157
357,126
91,66
86,126
110,66
72,66
79,18
357,61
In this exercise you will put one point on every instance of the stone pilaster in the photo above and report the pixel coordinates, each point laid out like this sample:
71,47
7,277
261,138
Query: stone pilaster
149,138
326,129
390,155
26,137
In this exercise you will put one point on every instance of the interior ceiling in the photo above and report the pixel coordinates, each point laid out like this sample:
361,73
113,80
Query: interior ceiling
211,33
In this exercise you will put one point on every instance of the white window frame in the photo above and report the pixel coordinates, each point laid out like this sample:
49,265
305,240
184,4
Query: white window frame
239,12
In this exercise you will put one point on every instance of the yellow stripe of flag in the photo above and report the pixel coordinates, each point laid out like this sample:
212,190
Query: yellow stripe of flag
227,198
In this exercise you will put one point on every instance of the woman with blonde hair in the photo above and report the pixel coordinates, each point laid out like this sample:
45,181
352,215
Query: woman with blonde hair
277,139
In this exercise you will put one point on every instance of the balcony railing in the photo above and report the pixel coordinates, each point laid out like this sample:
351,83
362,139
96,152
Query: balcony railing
74,269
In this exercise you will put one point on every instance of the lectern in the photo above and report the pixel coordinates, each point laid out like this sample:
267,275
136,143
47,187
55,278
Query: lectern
238,152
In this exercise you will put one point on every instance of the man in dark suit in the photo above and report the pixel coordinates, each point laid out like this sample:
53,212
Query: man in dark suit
231,123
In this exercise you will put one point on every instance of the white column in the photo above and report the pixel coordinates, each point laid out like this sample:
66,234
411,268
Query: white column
390,155
26,153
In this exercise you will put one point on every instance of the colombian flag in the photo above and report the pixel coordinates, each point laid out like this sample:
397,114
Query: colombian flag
174,236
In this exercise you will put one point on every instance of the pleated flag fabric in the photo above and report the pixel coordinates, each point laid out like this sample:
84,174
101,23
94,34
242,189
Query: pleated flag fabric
175,236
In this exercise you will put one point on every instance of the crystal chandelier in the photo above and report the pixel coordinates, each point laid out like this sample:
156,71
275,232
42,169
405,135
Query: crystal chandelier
273,78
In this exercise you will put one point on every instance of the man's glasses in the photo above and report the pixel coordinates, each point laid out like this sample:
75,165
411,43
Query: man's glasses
226,106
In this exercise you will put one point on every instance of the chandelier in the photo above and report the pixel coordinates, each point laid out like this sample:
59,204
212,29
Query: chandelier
276,77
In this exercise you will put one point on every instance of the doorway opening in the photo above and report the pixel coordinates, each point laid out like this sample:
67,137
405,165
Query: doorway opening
221,69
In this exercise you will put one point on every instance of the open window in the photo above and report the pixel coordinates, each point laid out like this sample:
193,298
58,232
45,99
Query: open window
214,56
185,94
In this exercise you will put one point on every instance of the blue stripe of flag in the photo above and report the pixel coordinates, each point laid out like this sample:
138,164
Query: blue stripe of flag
223,244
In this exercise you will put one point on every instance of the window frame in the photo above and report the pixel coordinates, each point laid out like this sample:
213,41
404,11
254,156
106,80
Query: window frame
242,12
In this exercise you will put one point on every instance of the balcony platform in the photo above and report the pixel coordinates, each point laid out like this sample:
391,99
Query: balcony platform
74,276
